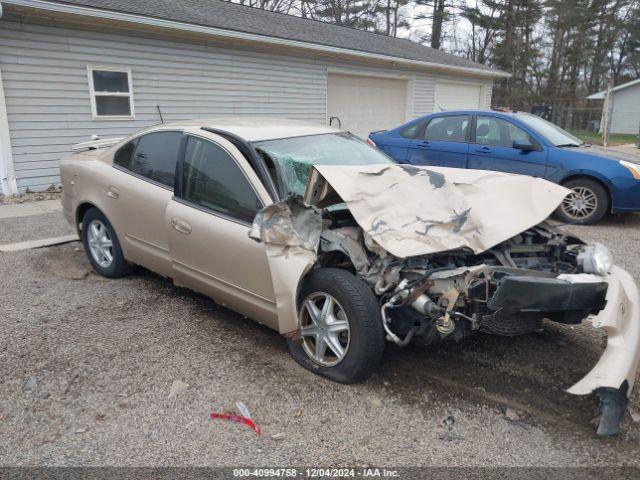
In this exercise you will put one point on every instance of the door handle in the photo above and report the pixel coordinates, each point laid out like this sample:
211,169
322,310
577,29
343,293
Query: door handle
424,144
483,150
113,192
180,226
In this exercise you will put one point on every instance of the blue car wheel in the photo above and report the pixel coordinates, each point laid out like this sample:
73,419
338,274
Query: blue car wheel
587,204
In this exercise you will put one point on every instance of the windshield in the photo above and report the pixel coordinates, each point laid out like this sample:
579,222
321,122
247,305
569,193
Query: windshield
551,132
290,159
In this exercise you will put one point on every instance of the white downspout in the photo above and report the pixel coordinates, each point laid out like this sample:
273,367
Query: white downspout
7,173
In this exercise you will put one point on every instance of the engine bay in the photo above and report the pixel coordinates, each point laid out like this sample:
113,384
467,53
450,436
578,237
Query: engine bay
507,290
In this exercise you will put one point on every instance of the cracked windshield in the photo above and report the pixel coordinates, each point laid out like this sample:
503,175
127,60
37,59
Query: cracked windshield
290,159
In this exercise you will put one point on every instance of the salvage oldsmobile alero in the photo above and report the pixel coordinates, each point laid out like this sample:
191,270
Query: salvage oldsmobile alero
314,233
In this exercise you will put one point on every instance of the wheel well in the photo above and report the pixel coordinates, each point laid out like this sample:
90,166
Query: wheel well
80,211
593,179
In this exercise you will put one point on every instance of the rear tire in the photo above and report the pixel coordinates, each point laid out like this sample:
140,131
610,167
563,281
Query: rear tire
587,205
359,346
102,246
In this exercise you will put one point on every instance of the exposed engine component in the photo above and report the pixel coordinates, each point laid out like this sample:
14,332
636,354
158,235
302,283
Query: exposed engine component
506,291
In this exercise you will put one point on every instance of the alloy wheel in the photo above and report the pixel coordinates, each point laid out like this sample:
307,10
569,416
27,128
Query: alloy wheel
100,243
325,329
580,204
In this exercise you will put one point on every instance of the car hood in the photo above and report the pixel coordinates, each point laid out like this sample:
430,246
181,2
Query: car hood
404,209
411,210
607,153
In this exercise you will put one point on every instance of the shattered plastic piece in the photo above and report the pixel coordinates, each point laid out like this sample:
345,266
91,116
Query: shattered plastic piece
614,404
242,408
238,419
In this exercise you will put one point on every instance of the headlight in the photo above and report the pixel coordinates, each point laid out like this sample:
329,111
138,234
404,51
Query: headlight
634,168
596,259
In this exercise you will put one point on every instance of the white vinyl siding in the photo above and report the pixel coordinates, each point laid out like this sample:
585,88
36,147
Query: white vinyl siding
625,113
48,100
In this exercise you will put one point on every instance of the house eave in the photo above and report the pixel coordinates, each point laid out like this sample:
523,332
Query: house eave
602,94
54,7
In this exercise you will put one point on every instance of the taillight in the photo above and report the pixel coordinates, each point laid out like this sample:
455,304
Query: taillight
371,142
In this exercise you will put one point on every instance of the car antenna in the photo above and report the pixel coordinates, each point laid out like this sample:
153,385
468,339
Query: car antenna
160,113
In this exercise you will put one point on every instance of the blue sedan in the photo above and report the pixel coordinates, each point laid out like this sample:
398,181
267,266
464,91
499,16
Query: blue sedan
602,180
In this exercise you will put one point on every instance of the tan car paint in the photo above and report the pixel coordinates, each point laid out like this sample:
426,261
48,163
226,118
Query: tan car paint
232,270
136,209
213,254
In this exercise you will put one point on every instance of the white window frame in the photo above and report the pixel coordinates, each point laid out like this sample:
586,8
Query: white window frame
93,94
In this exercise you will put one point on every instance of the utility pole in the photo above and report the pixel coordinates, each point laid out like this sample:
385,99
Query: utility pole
605,122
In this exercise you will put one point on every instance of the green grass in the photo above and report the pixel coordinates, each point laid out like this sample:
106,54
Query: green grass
594,137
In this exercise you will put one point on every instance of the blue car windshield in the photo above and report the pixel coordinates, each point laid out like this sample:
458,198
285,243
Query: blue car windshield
551,132
290,159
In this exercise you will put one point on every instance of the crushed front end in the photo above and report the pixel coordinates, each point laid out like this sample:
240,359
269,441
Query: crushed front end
508,290
447,256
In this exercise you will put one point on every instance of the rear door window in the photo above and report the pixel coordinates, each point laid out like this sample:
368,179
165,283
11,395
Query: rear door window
414,130
212,179
450,128
156,156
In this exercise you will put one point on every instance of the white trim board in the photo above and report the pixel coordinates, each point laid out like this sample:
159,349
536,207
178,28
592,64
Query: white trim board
7,172
45,242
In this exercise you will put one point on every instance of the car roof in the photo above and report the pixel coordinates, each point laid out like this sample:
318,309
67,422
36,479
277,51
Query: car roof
255,129
510,113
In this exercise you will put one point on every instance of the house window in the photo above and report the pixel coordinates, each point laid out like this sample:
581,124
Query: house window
111,93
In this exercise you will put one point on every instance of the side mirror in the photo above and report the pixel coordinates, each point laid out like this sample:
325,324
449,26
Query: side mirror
526,146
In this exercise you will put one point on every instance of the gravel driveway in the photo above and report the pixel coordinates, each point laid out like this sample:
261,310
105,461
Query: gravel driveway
88,364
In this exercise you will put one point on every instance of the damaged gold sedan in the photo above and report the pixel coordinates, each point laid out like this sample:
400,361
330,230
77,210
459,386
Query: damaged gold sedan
316,234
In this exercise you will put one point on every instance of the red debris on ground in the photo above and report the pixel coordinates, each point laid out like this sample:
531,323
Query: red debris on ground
238,419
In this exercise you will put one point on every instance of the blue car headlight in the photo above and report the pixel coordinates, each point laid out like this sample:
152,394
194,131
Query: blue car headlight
634,168
596,259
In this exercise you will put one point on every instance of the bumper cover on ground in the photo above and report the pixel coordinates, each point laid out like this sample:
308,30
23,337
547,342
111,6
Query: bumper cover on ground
613,376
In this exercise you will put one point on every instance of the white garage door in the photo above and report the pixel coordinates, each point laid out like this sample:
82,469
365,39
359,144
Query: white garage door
456,96
364,104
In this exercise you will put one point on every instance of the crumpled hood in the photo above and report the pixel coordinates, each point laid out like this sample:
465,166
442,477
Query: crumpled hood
607,153
411,210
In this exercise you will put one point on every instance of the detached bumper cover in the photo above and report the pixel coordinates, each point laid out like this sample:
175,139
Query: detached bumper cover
614,375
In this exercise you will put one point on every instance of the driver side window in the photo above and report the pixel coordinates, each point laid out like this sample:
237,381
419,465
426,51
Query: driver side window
212,179
497,132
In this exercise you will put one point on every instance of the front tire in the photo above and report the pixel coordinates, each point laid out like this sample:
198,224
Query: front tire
587,205
341,328
102,246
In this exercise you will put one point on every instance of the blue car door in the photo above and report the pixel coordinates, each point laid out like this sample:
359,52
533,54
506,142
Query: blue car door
443,142
492,148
